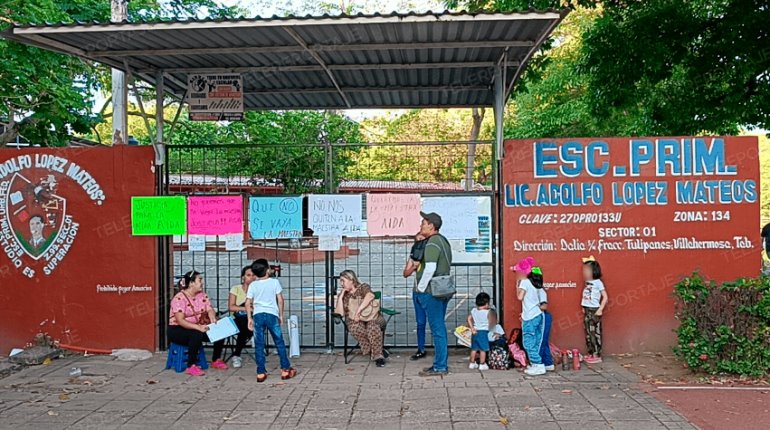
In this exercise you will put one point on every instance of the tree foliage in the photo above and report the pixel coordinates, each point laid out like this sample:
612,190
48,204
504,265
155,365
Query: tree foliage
46,96
287,148
440,162
652,67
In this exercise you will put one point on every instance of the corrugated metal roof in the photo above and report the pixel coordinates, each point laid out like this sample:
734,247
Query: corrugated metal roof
377,61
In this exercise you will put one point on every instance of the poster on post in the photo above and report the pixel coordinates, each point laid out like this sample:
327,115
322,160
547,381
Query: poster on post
214,215
215,97
459,215
393,214
335,214
158,215
275,217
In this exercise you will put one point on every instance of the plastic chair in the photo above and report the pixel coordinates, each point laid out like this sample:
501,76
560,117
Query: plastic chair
387,313
177,358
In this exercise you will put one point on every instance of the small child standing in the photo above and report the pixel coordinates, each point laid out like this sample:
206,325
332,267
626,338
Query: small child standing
545,346
530,279
478,321
594,301
264,308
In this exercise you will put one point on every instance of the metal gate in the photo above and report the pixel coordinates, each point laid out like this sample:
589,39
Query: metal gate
309,277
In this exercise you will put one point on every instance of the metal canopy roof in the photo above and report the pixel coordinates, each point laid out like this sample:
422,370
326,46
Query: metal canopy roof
328,62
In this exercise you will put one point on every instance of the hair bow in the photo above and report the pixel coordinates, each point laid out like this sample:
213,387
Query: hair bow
589,258
537,271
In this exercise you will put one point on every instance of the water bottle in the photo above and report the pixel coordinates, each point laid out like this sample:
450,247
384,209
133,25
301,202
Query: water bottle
575,359
564,361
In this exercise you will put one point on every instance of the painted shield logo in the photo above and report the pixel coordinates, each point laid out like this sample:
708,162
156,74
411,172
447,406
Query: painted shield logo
35,212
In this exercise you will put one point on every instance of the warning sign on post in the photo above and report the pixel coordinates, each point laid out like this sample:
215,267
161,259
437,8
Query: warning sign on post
215,97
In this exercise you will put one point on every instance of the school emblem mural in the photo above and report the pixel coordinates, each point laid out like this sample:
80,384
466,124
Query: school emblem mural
36,229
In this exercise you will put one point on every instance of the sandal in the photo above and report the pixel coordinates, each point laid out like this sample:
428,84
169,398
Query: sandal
261,377
288,373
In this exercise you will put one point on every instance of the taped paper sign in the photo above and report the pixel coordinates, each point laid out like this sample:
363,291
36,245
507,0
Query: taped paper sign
459,215
214,215
329,243
158,215
275,217
393,214
334,214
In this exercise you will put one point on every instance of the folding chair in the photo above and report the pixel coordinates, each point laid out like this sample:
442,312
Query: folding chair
386,313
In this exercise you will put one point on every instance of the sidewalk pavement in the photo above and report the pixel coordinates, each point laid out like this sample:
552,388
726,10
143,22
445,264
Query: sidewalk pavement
327,394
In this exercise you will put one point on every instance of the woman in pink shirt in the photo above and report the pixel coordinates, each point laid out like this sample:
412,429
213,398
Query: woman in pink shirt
191,312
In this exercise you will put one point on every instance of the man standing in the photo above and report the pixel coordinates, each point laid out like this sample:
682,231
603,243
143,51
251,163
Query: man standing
766,237
436,261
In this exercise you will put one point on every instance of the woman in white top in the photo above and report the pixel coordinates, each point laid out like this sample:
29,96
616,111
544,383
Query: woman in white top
530,279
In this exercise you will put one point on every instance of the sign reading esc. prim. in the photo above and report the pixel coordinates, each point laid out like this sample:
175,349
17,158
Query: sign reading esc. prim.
645,195
649,209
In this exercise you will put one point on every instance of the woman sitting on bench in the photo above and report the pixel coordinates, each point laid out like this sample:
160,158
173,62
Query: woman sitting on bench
367,333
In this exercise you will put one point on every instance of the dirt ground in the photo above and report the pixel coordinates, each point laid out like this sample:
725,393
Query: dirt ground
709,402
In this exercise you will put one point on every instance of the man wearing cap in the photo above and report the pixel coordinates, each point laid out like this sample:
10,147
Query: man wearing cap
436,261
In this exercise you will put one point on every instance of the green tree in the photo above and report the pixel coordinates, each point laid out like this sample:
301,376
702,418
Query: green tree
45,96
688,66
286,148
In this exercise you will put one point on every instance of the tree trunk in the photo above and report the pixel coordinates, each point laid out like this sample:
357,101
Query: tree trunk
478,118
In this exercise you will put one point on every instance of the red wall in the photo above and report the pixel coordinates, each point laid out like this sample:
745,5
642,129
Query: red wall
640,314
65,286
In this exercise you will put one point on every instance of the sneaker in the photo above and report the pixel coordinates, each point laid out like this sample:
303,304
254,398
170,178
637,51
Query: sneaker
535,370
418,355
550,368
380,362
237,362
483,367
592,359
219,364
194,370
473,366
433,372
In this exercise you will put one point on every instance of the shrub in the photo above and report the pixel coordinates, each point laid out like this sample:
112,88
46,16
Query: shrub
724,328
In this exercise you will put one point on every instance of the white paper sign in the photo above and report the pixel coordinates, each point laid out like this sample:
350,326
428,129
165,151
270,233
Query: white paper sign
334,214
329,243
459,215
223,328
234,242
196,242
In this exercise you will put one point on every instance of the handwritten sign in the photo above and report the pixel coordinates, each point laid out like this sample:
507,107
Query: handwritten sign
334,214
158,216
196,243
234,242
329,243
214,215
275,217
459,215
393,214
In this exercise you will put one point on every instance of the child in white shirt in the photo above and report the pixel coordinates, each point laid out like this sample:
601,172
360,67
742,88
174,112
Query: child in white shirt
478,321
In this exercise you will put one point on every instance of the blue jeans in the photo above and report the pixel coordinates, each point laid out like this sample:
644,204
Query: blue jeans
422,320
532,334
435,309
270,322
545,346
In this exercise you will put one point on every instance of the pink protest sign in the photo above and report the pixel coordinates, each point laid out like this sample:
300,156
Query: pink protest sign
393,214
214,215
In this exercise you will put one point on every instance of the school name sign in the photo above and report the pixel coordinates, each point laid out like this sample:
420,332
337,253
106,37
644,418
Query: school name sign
704,174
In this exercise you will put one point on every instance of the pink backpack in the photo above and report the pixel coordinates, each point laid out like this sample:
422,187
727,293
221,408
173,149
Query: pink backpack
514,345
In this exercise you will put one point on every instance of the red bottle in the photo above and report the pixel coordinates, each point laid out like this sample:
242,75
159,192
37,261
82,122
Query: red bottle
575,359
